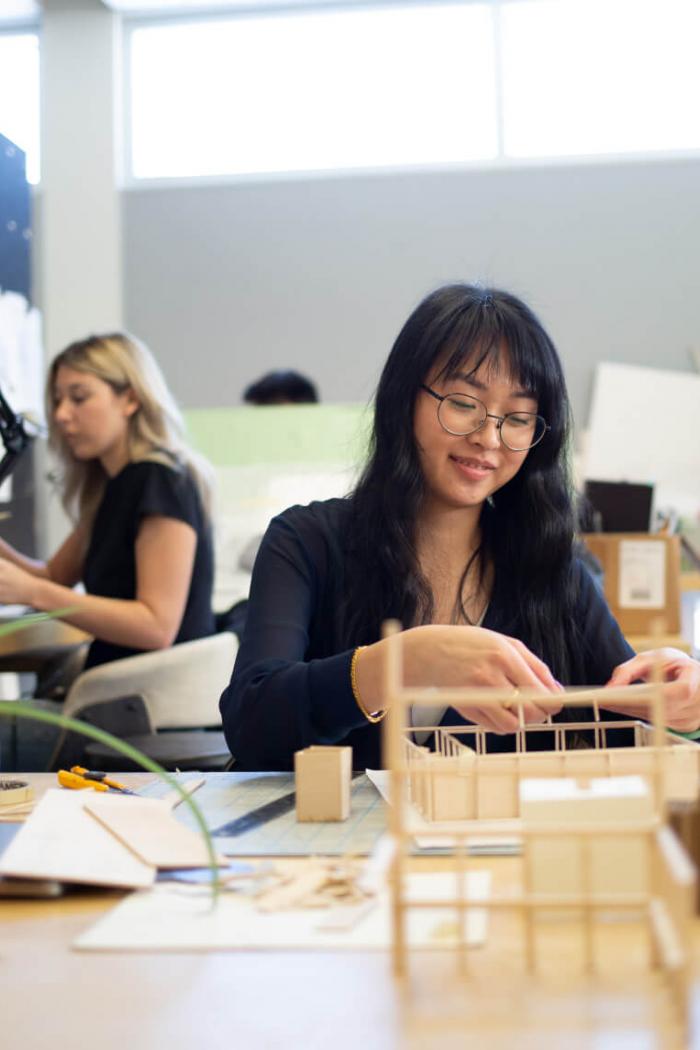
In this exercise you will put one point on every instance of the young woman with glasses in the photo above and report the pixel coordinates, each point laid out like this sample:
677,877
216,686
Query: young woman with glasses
462,528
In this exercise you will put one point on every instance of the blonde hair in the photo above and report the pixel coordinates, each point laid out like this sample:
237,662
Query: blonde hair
156,430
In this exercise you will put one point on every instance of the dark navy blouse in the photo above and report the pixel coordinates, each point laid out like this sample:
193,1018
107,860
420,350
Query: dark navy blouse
291,682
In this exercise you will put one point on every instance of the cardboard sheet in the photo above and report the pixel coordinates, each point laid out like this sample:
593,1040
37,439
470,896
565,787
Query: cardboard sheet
149,829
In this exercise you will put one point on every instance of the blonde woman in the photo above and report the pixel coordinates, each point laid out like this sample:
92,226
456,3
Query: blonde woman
139,499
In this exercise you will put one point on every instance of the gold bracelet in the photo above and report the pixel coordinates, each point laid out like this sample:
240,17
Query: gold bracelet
378,715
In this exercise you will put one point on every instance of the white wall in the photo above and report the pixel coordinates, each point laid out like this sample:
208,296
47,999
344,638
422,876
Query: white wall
228,281
77,259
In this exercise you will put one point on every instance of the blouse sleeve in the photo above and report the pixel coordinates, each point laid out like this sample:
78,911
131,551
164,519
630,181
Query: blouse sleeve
278,700
601,643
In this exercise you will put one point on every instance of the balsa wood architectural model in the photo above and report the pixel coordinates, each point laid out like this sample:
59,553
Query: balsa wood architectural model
592,823
462,780
322,780
685,821
588,859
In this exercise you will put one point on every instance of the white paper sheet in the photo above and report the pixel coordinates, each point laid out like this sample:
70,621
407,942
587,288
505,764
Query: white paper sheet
21,354
642,575
645,426
180,918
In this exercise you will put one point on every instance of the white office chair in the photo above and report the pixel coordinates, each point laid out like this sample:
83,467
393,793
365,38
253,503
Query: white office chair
140,696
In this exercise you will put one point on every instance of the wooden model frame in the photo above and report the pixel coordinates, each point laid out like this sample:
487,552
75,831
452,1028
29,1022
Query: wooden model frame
461,780
454,783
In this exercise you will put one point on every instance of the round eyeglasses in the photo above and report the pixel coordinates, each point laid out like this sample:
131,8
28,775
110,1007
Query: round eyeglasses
462,414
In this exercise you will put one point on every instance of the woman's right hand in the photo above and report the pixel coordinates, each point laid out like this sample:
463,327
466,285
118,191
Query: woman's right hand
474,656
454,657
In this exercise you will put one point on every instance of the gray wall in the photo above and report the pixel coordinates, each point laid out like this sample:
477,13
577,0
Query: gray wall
228,281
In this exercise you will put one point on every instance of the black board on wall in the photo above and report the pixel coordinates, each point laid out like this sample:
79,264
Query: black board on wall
15,225
17,516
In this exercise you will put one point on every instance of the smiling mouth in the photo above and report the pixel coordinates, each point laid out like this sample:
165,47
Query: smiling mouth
473,464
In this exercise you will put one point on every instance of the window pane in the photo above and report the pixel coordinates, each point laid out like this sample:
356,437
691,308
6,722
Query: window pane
313,90
19,95
600,76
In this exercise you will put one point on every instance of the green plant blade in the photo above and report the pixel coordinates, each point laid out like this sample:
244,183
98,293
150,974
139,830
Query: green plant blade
31,619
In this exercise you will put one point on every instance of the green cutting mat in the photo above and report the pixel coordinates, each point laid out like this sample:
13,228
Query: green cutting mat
261,801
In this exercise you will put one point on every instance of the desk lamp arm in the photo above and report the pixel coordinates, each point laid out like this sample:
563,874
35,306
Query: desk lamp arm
16,433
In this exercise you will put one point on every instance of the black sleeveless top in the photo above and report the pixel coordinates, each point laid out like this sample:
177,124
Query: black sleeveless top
140,490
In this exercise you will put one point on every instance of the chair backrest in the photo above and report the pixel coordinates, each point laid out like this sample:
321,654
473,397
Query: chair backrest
180,686
125,718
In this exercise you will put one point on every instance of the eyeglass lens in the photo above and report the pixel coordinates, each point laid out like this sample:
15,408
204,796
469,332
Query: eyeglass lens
461,414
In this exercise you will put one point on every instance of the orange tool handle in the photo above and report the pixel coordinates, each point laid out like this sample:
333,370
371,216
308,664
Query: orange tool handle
104,778
72,780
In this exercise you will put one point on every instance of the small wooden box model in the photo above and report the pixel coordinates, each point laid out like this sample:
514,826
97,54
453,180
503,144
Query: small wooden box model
603,864
322,776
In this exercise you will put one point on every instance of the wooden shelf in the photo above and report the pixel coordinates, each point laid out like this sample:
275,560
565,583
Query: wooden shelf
640,642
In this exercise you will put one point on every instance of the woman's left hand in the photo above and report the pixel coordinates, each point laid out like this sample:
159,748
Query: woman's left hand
17,587
681,676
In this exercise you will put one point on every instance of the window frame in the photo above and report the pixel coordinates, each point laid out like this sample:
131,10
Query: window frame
132,21
245,8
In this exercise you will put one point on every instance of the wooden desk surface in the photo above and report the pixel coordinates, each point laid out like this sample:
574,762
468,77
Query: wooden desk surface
52,996
31,647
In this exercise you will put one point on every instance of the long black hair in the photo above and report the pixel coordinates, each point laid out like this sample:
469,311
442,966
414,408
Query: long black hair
527,527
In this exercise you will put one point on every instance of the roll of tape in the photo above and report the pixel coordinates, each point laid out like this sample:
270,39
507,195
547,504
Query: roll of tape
15,792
